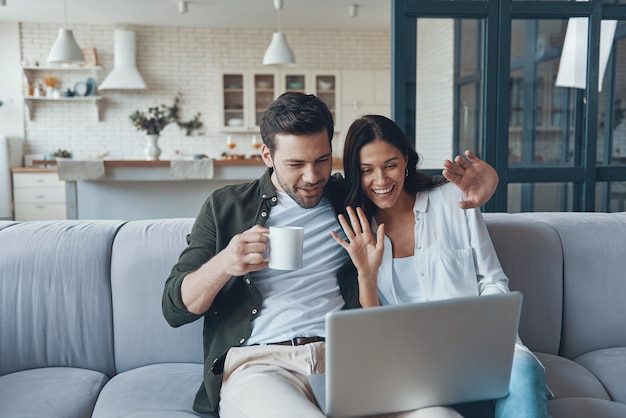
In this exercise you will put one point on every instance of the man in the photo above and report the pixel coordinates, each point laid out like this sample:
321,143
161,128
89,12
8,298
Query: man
263,328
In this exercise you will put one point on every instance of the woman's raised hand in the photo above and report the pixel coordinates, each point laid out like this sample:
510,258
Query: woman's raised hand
365,252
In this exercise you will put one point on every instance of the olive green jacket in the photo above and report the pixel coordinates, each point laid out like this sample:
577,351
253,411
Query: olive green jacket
228,322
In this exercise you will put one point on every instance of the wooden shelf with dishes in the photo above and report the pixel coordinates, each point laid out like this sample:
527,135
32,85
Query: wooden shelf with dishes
84,91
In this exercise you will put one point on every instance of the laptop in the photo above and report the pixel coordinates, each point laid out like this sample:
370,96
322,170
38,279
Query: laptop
405,357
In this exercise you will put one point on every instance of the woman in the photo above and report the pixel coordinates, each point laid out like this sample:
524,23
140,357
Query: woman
425,247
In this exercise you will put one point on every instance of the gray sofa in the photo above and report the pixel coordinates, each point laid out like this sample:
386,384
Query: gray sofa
82,334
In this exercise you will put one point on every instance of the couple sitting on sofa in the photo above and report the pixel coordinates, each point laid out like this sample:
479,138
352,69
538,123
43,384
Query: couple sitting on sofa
251,311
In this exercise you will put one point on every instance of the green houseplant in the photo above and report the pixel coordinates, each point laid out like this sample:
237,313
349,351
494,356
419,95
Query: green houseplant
158,118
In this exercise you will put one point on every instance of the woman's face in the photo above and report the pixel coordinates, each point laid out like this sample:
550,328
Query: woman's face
382,173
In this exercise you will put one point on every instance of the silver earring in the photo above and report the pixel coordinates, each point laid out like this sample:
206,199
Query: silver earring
406,172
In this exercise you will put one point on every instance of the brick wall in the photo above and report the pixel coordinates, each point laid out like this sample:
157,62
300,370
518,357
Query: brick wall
171,60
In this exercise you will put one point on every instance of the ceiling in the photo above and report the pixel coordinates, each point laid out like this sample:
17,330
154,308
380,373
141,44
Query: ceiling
257,14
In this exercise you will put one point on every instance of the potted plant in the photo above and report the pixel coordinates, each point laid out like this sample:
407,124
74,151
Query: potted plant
157,118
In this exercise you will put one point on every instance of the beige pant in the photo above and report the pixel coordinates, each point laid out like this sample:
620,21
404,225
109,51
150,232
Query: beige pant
270,381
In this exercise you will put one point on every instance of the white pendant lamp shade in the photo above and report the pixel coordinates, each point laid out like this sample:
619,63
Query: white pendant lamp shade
279,51
65,50
124,75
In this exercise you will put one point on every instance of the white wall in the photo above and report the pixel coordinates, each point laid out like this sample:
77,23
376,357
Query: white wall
171,60
11,121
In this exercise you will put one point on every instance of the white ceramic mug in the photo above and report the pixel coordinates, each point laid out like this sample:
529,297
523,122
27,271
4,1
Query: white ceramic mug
285,247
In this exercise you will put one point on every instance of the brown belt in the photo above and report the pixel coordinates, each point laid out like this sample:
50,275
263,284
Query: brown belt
299,341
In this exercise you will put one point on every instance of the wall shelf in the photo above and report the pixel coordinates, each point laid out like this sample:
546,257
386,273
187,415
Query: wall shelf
30,72
31,102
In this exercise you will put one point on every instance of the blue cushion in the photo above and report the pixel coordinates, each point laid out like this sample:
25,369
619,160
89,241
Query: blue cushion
50,392
155,390
609,366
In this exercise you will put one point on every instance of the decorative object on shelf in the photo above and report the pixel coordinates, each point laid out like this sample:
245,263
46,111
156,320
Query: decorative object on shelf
38,91
91,86
80,89
91,57
156,119
65,49
279,52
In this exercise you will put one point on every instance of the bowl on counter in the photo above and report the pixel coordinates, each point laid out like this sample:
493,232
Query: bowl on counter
234,122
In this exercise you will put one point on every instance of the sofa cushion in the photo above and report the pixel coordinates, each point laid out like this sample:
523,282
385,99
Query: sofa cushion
50,392
143,255
609,366
162,414
531,256
166,389
567,379
594,279
585,408
55,295
4,224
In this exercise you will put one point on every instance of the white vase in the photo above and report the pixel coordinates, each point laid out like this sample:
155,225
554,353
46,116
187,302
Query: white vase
152,150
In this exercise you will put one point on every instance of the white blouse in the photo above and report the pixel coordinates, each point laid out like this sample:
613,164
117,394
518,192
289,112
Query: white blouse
453,255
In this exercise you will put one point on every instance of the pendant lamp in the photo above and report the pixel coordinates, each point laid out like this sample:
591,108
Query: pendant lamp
65,50
279,52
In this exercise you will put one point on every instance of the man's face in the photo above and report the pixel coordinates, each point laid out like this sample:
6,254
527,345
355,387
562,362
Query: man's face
302,166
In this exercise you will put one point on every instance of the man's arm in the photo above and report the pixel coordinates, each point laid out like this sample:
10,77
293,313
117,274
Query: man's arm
477,179
243,254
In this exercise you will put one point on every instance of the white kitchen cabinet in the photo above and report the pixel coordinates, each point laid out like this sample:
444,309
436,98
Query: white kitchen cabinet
246,94
362,92
38,194
325,84
365,88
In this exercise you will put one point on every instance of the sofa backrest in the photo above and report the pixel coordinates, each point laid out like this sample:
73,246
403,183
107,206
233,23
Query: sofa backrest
594,265
530,255
55,295
143,254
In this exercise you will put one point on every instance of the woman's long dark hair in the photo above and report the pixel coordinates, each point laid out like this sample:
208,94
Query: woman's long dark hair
367,129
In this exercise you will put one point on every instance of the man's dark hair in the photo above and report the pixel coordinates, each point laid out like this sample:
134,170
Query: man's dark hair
295,114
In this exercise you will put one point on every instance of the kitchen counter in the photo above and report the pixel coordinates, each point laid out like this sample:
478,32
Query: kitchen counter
132,170
34,170
137,189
